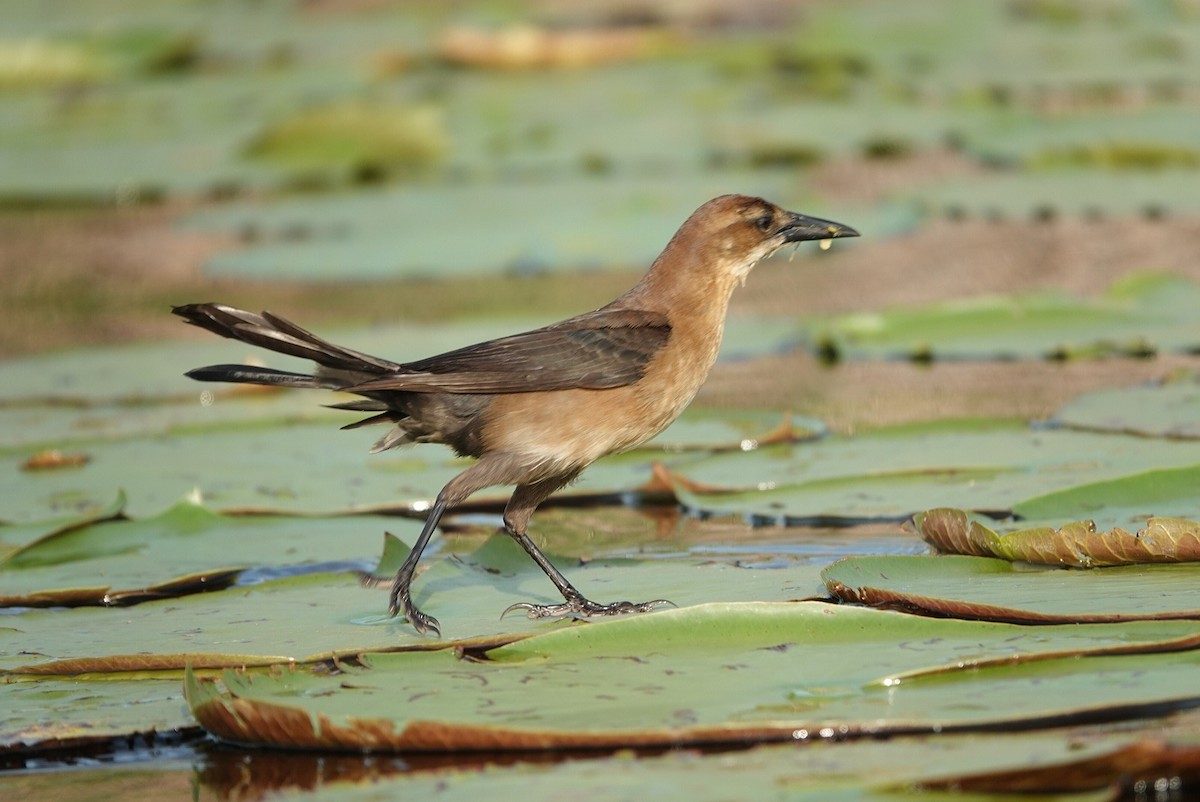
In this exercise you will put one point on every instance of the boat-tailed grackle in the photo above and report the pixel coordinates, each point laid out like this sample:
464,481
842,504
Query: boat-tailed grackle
537,408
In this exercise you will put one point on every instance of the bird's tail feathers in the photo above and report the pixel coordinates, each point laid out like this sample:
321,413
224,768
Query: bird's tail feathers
282,336
250,374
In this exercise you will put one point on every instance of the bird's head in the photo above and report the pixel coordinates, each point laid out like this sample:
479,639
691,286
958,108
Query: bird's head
737,231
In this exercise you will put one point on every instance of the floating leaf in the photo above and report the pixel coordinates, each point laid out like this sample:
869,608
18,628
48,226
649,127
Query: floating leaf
993,589
713,673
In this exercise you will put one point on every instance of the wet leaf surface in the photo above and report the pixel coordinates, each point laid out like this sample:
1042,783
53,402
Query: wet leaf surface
993,589
624,683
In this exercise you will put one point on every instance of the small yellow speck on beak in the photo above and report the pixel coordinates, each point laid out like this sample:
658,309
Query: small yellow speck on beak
825,244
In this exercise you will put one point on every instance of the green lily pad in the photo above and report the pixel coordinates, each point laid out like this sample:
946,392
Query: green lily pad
993,589
1138,312
722,673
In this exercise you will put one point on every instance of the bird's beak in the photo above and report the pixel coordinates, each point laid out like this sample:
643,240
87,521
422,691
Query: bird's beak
800,228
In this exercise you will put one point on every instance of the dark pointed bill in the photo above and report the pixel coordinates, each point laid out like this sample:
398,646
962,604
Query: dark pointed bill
801,228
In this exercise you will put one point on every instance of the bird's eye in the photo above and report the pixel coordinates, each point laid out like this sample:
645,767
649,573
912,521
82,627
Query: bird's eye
764,223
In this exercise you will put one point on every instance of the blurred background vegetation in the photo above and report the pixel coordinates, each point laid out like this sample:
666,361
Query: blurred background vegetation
359,161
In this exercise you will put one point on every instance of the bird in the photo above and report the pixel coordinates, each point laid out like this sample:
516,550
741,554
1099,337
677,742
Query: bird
535,409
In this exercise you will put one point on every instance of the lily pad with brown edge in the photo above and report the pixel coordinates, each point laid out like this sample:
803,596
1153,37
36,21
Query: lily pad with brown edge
1079,544
315,616
997,590
717,673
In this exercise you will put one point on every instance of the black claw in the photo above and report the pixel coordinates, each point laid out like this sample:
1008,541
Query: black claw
424,624
517,606
401,604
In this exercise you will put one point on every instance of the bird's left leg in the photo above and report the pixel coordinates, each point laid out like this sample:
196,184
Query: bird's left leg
517,513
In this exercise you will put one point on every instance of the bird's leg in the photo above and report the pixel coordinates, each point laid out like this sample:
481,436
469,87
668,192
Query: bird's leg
401,598
485,473
524,501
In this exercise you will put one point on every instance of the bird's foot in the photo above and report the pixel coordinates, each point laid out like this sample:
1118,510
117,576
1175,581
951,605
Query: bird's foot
584,607
402,604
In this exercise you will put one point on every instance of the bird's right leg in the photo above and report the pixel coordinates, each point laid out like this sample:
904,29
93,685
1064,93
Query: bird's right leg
524,501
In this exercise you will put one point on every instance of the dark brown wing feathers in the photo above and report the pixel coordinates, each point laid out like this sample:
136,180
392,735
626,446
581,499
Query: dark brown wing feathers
600,350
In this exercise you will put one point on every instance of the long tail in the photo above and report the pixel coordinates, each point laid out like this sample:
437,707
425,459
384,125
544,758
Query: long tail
276,334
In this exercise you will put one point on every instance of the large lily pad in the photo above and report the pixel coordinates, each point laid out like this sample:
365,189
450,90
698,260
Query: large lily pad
994,589
711,673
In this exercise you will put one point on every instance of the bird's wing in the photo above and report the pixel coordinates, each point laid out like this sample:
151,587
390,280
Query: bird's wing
600,350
